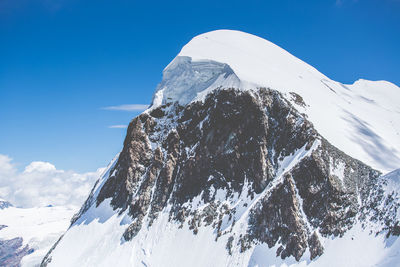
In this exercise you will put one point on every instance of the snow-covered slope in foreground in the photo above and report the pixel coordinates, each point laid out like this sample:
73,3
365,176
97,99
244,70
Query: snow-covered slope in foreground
362,119
39,228
165,244
95,240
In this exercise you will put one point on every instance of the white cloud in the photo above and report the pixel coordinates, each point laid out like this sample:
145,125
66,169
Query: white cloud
40,166
118,126
5,165
129,107
41,184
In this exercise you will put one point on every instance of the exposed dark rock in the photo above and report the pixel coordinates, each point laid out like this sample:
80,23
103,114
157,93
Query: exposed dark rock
297,99
132,163
381,207
12,251
47,258
5,204
331,205
315,246
229,245
277,216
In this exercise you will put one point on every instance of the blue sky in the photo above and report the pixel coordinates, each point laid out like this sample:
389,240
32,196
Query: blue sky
63,61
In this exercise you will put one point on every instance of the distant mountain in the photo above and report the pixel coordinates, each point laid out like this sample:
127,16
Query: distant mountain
247,157
27,234
4,204
12,251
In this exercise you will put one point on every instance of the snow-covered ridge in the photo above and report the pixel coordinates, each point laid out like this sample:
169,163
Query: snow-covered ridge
362,119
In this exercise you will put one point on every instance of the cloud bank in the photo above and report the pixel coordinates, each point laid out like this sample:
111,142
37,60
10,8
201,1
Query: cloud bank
42,184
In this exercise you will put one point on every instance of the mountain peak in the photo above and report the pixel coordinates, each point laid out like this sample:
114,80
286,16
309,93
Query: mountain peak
252,58
348,115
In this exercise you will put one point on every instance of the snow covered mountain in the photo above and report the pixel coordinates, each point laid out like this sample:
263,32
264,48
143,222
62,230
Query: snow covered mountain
26,234
247,157
4,204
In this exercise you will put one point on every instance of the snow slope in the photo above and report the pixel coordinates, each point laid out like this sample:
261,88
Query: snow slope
362,119
39,228
166,243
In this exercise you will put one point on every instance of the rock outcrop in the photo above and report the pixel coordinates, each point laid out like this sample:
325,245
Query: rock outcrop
12,251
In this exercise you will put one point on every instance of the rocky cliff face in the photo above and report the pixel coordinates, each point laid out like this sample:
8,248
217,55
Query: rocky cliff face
12,251
251,159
